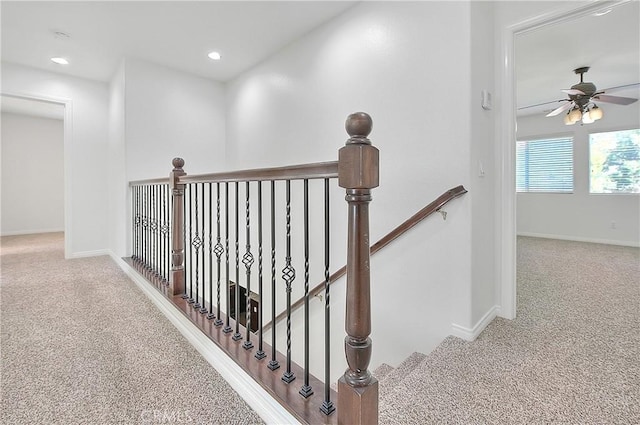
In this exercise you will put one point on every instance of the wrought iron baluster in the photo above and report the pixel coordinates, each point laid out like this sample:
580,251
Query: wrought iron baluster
191,300
227,327
136,221
154,228
145,225
237,335
273,363
211,315
203,306
288,274
306,389
165,233
218,250
248,260
197,244
327,406
260,354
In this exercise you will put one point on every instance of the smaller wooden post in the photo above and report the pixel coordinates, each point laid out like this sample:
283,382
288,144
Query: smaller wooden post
177,278
358,174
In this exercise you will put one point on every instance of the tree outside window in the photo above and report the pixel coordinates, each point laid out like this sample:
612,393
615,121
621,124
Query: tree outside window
614,159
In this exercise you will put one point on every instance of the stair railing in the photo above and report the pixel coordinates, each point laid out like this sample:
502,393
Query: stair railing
432,207
182,241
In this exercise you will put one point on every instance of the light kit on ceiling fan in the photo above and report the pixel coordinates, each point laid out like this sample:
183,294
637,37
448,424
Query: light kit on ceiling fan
581,105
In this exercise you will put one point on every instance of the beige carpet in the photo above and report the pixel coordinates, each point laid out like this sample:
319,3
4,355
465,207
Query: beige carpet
82,345
572,356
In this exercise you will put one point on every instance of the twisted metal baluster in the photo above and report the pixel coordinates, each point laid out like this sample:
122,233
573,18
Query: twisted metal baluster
248,261
288,274
260,354
237,335
203,307
273,363
306,389
218,250
227,328
211,315
327,406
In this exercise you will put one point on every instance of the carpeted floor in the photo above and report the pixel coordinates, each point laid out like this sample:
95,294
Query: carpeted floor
82,345
572,356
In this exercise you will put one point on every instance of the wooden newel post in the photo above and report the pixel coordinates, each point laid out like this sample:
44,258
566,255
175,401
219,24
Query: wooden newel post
177,278
358,174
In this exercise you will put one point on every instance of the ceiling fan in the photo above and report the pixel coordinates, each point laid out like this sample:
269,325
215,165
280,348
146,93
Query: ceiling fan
581,102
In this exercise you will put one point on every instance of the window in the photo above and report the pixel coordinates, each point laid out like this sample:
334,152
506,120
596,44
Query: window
544,165
614,161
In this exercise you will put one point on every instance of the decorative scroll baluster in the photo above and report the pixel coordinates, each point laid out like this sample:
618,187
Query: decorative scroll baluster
168,233
288,274
306,389
227,327
260,354
218,250
248,261
211,315
327,405
273,363
358,174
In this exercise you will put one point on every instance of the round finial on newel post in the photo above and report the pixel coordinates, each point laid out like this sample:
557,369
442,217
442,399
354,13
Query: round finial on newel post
178,163
358,126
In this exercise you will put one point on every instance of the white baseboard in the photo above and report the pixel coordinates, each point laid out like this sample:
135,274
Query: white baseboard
30,232
470,334
635,244
252,393
84,254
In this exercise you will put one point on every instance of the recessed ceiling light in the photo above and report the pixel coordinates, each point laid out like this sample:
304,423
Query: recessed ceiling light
215,56
60,61
602,12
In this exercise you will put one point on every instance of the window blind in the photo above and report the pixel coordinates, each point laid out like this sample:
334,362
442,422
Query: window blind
544,165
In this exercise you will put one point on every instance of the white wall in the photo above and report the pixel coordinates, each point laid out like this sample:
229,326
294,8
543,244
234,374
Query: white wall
85,150
32,174
580,215
119,231
483,173
169,113
156,114
387,59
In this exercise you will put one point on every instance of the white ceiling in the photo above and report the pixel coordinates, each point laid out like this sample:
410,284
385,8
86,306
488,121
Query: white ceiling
609,44
176,34
180,34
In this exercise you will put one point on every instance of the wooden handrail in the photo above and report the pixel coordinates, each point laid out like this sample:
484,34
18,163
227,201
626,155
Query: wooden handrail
425,212
318,170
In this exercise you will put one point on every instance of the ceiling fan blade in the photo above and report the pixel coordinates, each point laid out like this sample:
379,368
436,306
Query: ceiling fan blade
541,104
573,92
560,109
618,100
